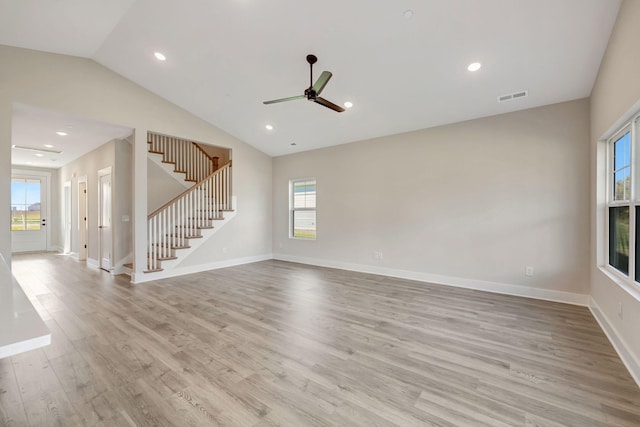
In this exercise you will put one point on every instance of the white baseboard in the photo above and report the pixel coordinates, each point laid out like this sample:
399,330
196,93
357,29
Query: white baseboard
180,271
628,358
481,285
93,262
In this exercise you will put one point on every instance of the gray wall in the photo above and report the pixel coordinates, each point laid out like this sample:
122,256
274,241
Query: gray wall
615,94
476,201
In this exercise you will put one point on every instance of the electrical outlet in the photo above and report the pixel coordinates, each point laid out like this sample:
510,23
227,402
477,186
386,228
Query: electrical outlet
528,271
380,256
224,250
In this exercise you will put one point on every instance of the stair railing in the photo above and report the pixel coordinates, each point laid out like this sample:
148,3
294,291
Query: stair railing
187,156
185,215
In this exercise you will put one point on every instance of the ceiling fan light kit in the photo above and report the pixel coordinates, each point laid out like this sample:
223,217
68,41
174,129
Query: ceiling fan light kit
313,91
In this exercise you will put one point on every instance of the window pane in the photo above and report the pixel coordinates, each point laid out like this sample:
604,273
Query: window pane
304,224
304,194
18,189
33,192
18,217
619,238
622,180
622,151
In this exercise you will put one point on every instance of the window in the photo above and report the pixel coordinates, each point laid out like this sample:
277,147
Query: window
623,202
303,208
25,204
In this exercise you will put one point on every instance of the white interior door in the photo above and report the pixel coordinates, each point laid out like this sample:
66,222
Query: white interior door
28,213
106,241
82,220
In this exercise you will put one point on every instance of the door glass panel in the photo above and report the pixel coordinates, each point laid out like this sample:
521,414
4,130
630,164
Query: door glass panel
25,204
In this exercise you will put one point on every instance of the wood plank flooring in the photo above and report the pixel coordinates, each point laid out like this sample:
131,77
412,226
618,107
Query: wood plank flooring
275,343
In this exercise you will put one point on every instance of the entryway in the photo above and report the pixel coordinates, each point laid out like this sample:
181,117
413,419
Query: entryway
29,211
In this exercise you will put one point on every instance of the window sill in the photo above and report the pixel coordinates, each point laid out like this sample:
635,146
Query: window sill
633,289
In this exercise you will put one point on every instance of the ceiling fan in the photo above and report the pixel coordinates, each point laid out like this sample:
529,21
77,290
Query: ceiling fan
312,92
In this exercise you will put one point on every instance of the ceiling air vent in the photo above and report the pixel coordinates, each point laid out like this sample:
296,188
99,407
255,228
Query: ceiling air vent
512,96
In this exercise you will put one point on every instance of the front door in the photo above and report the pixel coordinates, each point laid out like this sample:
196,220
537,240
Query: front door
105,221
28,213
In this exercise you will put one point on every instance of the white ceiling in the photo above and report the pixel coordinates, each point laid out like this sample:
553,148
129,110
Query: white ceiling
34,128
224,57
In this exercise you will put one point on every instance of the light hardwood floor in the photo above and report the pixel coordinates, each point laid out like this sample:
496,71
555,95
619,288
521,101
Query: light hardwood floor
276,343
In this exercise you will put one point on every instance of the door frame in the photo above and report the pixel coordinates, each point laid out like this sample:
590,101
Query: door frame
83,212
67,214
47,202
105,172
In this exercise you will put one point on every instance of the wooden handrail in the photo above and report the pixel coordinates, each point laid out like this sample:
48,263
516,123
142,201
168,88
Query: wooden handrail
204,152
184,193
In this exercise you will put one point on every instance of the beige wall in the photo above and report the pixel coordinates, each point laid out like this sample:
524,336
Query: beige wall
616,90
162,187
88,166
477,200
122,203
84,88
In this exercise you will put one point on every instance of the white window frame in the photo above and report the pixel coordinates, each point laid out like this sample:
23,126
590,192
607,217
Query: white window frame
633,202
293,209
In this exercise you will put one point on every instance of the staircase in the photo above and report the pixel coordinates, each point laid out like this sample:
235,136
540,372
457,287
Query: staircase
182,224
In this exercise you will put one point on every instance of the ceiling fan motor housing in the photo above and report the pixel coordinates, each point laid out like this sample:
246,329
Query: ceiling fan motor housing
310,94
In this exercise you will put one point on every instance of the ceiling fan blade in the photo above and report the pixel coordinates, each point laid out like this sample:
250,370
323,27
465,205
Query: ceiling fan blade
292,98
329,104
322,82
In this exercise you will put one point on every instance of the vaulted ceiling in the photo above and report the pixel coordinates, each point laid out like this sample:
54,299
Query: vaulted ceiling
403,64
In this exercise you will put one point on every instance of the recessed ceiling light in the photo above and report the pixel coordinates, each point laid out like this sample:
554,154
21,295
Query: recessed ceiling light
268,127
474,66
159,56
48,145
348,104
408,14
39,155
62,133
